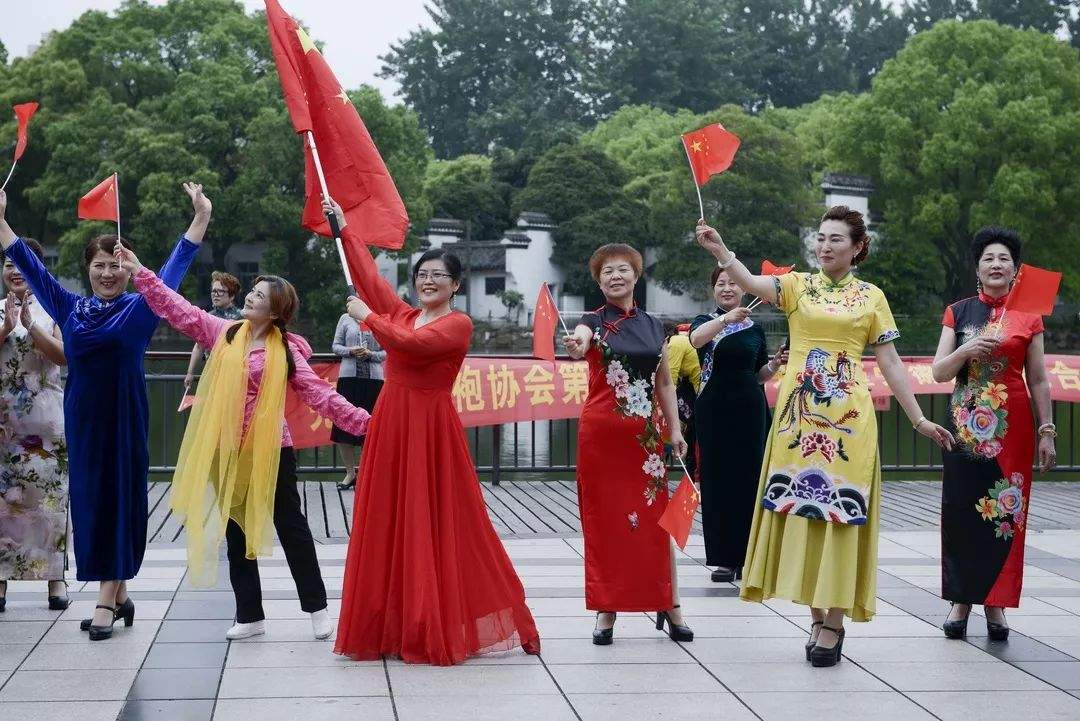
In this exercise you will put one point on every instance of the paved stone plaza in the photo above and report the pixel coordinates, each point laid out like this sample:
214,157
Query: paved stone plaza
745,663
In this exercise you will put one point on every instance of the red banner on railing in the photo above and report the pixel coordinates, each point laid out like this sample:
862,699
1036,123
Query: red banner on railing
490,391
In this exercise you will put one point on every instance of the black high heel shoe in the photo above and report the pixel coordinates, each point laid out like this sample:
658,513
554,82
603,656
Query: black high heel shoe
812,641
727,575
997,631
347,485
60,603
821,656
100,633
675,632
604,636
125,610
956,629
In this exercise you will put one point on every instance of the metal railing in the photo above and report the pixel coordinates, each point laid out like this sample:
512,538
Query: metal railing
536,450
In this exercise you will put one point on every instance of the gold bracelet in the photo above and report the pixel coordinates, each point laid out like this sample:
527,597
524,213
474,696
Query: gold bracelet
916,424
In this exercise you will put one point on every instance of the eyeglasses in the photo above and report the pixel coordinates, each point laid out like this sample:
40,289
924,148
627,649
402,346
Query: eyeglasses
219,292
436,276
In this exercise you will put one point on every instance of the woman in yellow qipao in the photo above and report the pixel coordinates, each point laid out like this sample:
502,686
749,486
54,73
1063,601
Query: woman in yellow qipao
815,530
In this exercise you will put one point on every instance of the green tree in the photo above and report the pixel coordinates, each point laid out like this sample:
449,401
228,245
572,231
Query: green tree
972,124
464,189
760,204
186,90
571,180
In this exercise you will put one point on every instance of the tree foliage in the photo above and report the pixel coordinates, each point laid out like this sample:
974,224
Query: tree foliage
464,189
972,124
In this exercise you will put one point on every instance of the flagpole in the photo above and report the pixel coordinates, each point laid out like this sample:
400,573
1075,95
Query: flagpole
701,205
331,217
116,189
10,173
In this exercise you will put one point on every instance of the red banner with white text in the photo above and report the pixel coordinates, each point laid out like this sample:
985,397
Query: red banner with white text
493,390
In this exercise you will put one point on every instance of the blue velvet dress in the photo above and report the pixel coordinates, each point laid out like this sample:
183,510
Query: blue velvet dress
106,414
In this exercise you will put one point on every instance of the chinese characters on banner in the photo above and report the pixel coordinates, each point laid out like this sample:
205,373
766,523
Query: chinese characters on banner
493,390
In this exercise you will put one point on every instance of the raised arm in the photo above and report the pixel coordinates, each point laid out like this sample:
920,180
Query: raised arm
763,286
372,287
187,247
57,300
320,396
169,305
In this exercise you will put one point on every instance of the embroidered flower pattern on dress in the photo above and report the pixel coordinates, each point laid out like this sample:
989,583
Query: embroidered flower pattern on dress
979,405
634,399
815,386
1004,506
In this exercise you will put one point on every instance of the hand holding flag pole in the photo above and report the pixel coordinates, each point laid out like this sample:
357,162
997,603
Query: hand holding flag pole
678,518
770,268
544,314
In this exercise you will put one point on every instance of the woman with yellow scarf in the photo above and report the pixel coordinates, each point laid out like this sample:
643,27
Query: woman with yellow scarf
236,474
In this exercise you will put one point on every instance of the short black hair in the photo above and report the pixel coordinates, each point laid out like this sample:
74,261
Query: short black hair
451,261
33,245
996,234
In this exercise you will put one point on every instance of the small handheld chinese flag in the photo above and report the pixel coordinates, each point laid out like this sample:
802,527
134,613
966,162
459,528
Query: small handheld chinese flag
545,318
770,268
1034,290
678,517
186,402
711,151
101,203
23,113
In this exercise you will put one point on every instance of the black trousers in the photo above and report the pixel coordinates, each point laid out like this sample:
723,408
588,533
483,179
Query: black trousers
295,536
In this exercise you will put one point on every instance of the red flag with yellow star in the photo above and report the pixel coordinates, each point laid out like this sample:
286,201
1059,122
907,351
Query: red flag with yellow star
711,150
678,517
355,173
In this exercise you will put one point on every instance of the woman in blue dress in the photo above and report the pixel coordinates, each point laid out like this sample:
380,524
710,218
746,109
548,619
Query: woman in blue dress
105,407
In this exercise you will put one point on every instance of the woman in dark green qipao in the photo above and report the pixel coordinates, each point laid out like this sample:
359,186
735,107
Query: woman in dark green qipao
732,421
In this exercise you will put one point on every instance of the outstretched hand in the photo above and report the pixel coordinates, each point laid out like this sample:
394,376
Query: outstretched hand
708,238
199,202
25,318
9,313
127,259
357,308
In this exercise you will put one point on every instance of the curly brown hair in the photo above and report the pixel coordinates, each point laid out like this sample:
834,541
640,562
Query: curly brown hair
232,285
615,250
856,228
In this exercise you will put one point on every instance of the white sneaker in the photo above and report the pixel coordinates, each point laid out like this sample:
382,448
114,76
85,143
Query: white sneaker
321,625
246,630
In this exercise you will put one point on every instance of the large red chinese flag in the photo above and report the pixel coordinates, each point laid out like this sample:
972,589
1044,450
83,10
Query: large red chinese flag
545,318
710,150
1034,290
678,517
101,203
355,173
23,113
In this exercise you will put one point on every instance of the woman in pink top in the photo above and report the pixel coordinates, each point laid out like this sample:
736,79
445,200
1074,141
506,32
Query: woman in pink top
234,469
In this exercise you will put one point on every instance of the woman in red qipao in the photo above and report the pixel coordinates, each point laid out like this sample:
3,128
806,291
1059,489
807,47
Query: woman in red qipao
426,577
986,485
622,477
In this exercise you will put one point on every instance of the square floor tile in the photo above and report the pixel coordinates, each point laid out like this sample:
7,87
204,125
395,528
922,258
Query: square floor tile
1063,674
201,610
194,631
316,709
933,676
176,683
1066,644
1050,705
23,631
856,705
624,650
744,627
62,710
715,706
1046,625
1019,648
296,654
68,685
417,680
628,625
633,678
12,654
323,682
747,677
925,649
482,707
187,655
89,656
187,710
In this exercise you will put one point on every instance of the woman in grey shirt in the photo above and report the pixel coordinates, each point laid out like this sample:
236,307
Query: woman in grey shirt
359,380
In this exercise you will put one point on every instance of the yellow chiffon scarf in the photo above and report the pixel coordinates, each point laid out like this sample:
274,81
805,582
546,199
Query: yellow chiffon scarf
222,472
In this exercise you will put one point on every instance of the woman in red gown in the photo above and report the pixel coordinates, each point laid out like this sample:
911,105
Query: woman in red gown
622,477
426,577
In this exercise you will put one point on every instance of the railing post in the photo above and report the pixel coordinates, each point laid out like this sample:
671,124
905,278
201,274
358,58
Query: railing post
496,453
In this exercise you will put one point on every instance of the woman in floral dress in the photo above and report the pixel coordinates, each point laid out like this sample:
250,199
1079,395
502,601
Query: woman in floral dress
814,536
986,484
622,478
33,456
